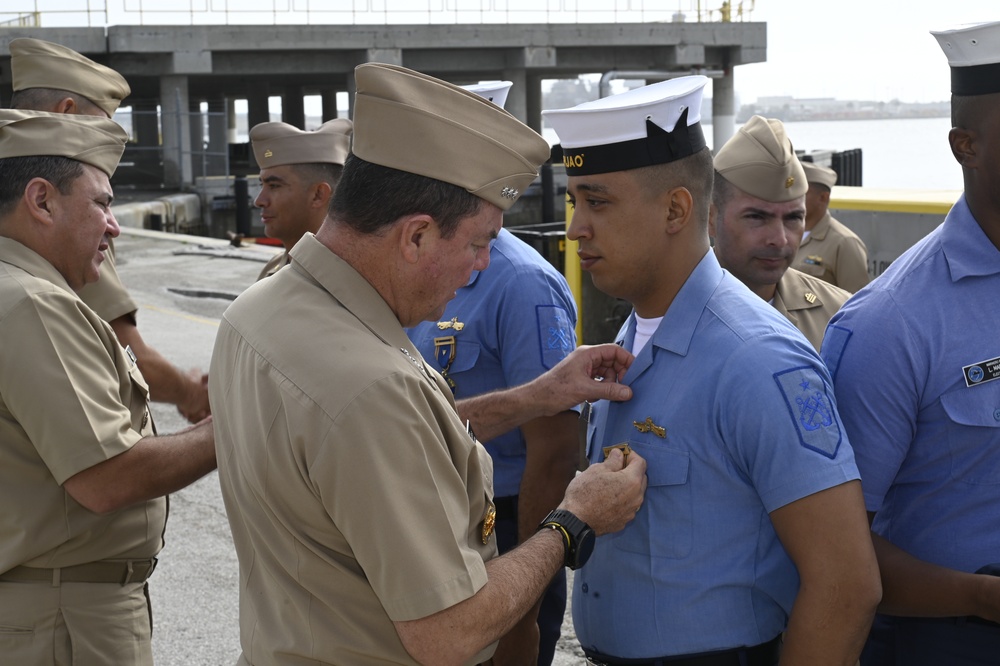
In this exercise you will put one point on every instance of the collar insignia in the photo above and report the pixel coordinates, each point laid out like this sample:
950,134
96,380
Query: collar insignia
810,297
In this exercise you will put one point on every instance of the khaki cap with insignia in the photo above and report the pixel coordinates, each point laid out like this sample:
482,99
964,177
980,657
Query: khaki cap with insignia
38,64
759,160
412,122
278,144
819,174
88,139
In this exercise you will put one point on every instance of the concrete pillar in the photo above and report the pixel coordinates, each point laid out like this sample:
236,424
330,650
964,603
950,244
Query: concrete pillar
328,99
257,108
218,136
723,110
517,98
533,103
145,124
293,107
196,120
176,131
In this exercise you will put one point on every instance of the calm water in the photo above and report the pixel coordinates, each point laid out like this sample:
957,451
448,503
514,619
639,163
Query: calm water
911,153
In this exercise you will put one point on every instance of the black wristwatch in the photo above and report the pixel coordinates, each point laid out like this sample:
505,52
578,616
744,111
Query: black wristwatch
578,538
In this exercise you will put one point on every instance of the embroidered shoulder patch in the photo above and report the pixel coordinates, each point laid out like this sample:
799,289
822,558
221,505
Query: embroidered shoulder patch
555,334
811,409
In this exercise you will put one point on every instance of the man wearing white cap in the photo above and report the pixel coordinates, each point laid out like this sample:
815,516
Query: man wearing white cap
51,77
758,211
753,522
360,504
506,327
915,357
299,172
829,250
82,474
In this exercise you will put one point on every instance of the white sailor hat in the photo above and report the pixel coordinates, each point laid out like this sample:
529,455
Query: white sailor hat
974,56
494,91
655,124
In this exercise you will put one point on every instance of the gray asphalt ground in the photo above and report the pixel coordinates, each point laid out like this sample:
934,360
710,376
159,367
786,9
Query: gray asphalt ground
182,286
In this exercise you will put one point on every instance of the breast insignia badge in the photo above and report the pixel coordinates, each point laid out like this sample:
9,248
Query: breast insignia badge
489,521
454,323
649,426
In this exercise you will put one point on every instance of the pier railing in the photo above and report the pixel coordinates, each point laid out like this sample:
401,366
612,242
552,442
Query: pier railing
102,13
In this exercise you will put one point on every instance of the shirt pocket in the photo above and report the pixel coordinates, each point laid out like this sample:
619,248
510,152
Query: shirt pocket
973,433
664,526
815,270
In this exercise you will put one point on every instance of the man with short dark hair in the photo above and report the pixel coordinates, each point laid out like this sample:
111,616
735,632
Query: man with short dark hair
361,505
82,474
50,77
915,358
299,172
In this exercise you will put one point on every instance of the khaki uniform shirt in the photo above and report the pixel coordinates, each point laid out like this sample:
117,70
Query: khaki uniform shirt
356,496
808,302
834,253
70,398
108,296
274,264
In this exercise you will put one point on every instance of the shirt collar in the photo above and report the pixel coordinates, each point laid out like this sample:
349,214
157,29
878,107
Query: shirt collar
681,320
967,249
29,261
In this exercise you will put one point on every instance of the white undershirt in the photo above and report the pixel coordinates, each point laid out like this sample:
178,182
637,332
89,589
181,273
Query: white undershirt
644,329
805,234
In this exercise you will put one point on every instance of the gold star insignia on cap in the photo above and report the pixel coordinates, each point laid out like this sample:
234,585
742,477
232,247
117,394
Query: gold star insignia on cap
789,182
810,297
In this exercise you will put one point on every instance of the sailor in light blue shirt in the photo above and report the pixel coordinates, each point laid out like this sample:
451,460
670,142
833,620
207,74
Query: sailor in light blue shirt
753,522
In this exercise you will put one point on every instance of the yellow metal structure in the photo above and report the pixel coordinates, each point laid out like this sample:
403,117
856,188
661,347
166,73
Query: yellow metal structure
933,202
574,275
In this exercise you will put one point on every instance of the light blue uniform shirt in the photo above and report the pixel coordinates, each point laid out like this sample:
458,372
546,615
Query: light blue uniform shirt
749,426
927,441
517,320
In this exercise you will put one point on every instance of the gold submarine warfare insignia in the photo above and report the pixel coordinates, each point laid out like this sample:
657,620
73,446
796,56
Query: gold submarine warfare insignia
489,521
649,426
454,323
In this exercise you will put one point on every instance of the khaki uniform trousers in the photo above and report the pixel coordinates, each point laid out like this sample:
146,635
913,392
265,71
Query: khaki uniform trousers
75,624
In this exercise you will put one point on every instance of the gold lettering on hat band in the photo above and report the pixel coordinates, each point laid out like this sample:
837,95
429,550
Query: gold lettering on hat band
573,161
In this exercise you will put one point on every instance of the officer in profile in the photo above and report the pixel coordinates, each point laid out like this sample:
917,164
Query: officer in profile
758,215
360,503
83,477
829,250
50,77
753,523
507,326
915,358
299,172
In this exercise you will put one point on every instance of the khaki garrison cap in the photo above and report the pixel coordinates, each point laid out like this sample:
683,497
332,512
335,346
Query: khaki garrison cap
759,160
973,53
654,124
412,122
88,139
38,64
819,174
278,144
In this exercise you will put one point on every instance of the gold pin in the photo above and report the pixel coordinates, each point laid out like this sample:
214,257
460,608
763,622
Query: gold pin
810,297
489,521
454,323
625,449
268,153
789,182
649,426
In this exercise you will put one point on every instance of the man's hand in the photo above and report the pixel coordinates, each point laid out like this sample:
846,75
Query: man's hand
195,405
608,495
589,373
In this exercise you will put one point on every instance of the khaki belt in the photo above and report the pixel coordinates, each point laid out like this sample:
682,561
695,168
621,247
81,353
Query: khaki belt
120,572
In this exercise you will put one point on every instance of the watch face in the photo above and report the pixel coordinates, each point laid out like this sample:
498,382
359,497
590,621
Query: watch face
584,547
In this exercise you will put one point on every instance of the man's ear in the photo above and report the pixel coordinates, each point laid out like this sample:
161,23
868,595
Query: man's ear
963,146
67,105
417,234
680,203
39,195
319,195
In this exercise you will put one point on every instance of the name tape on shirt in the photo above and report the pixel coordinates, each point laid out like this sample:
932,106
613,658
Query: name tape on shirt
982,372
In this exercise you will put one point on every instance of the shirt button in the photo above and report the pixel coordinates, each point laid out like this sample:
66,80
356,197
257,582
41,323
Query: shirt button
996,414
584,588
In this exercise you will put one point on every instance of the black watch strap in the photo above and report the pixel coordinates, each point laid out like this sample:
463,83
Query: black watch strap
574,532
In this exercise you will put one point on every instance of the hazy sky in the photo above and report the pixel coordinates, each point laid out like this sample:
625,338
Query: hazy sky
856,49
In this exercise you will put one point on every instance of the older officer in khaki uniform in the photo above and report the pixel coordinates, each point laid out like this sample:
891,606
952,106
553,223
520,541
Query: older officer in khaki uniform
757,221
829,250
50,77
82,476
299,172
361,506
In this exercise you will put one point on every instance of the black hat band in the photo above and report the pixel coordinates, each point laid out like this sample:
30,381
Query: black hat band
976,80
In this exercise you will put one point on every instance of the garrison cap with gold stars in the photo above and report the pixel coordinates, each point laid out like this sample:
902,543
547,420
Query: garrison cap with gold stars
92,140
494,91
412,122
974,56
759,159
39,64
816,173
654,124
278,144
